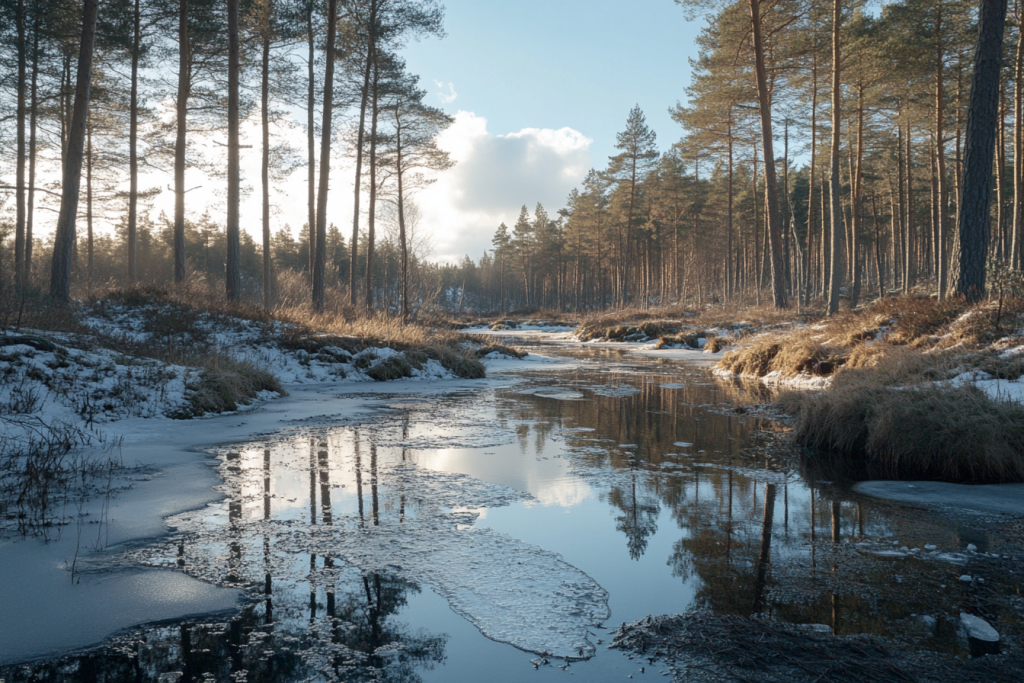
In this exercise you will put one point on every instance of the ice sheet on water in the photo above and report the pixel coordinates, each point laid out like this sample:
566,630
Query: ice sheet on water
614,390
463,432
554,392
514,592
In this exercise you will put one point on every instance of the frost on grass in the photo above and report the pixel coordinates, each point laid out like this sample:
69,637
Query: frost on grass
420,528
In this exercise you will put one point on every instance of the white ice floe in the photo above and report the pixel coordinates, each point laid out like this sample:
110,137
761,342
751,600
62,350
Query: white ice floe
614,391
513,592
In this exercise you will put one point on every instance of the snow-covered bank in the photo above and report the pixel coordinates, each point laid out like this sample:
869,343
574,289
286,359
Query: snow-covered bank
174,474
119,407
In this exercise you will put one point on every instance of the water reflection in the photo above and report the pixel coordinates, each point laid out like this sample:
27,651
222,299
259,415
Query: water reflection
705,509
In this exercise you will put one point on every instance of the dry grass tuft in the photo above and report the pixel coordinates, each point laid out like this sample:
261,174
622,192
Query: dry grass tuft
225,383
393,367
715,344
860,340
753,360
502,349
948,433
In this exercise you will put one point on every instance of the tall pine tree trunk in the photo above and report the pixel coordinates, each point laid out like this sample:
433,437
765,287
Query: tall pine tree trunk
33,115
320,260
184,88
64,237
836,262
908,228
268,273
982,115
402,235
856,200
371,46
941,258
311,139
371,218
19,229
814,150
89,260
729,227
1018,152
764,108
133,152
233,274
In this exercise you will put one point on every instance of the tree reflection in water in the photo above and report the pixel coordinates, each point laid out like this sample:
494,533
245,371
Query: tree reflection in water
747,517
340,624
750,532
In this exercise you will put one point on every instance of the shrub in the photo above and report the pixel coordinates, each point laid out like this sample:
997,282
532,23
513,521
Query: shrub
754,360
652,330
224,383
499,348
460,363
392,367
929,431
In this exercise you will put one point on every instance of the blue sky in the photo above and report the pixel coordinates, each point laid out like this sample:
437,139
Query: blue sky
539,89
558,63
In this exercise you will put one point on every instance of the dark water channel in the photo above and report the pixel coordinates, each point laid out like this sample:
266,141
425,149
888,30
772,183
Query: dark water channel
532,514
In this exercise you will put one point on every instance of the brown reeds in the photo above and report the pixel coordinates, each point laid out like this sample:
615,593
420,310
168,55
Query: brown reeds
956,433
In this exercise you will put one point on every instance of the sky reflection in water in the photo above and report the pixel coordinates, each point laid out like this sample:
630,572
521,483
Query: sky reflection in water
580,476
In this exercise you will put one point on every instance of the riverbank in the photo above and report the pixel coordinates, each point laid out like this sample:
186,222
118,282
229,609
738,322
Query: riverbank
904,388
345,521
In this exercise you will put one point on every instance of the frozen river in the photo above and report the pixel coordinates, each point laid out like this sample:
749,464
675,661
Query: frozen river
504,533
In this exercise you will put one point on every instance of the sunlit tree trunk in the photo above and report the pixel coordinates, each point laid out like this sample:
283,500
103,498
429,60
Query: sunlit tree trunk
764,108
311,138
835,189
908,228
941,258
354,250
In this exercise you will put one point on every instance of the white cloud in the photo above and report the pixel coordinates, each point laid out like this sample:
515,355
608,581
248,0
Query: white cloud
493,177
446,97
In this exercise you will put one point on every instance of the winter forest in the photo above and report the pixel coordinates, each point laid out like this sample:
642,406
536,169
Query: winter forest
370,341
862,108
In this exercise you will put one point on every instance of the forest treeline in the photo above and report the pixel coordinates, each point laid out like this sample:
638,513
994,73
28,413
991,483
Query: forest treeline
98,93
900,128
873,204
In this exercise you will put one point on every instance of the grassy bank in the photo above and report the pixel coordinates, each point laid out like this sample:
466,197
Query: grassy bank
924,336
900,396
106,356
